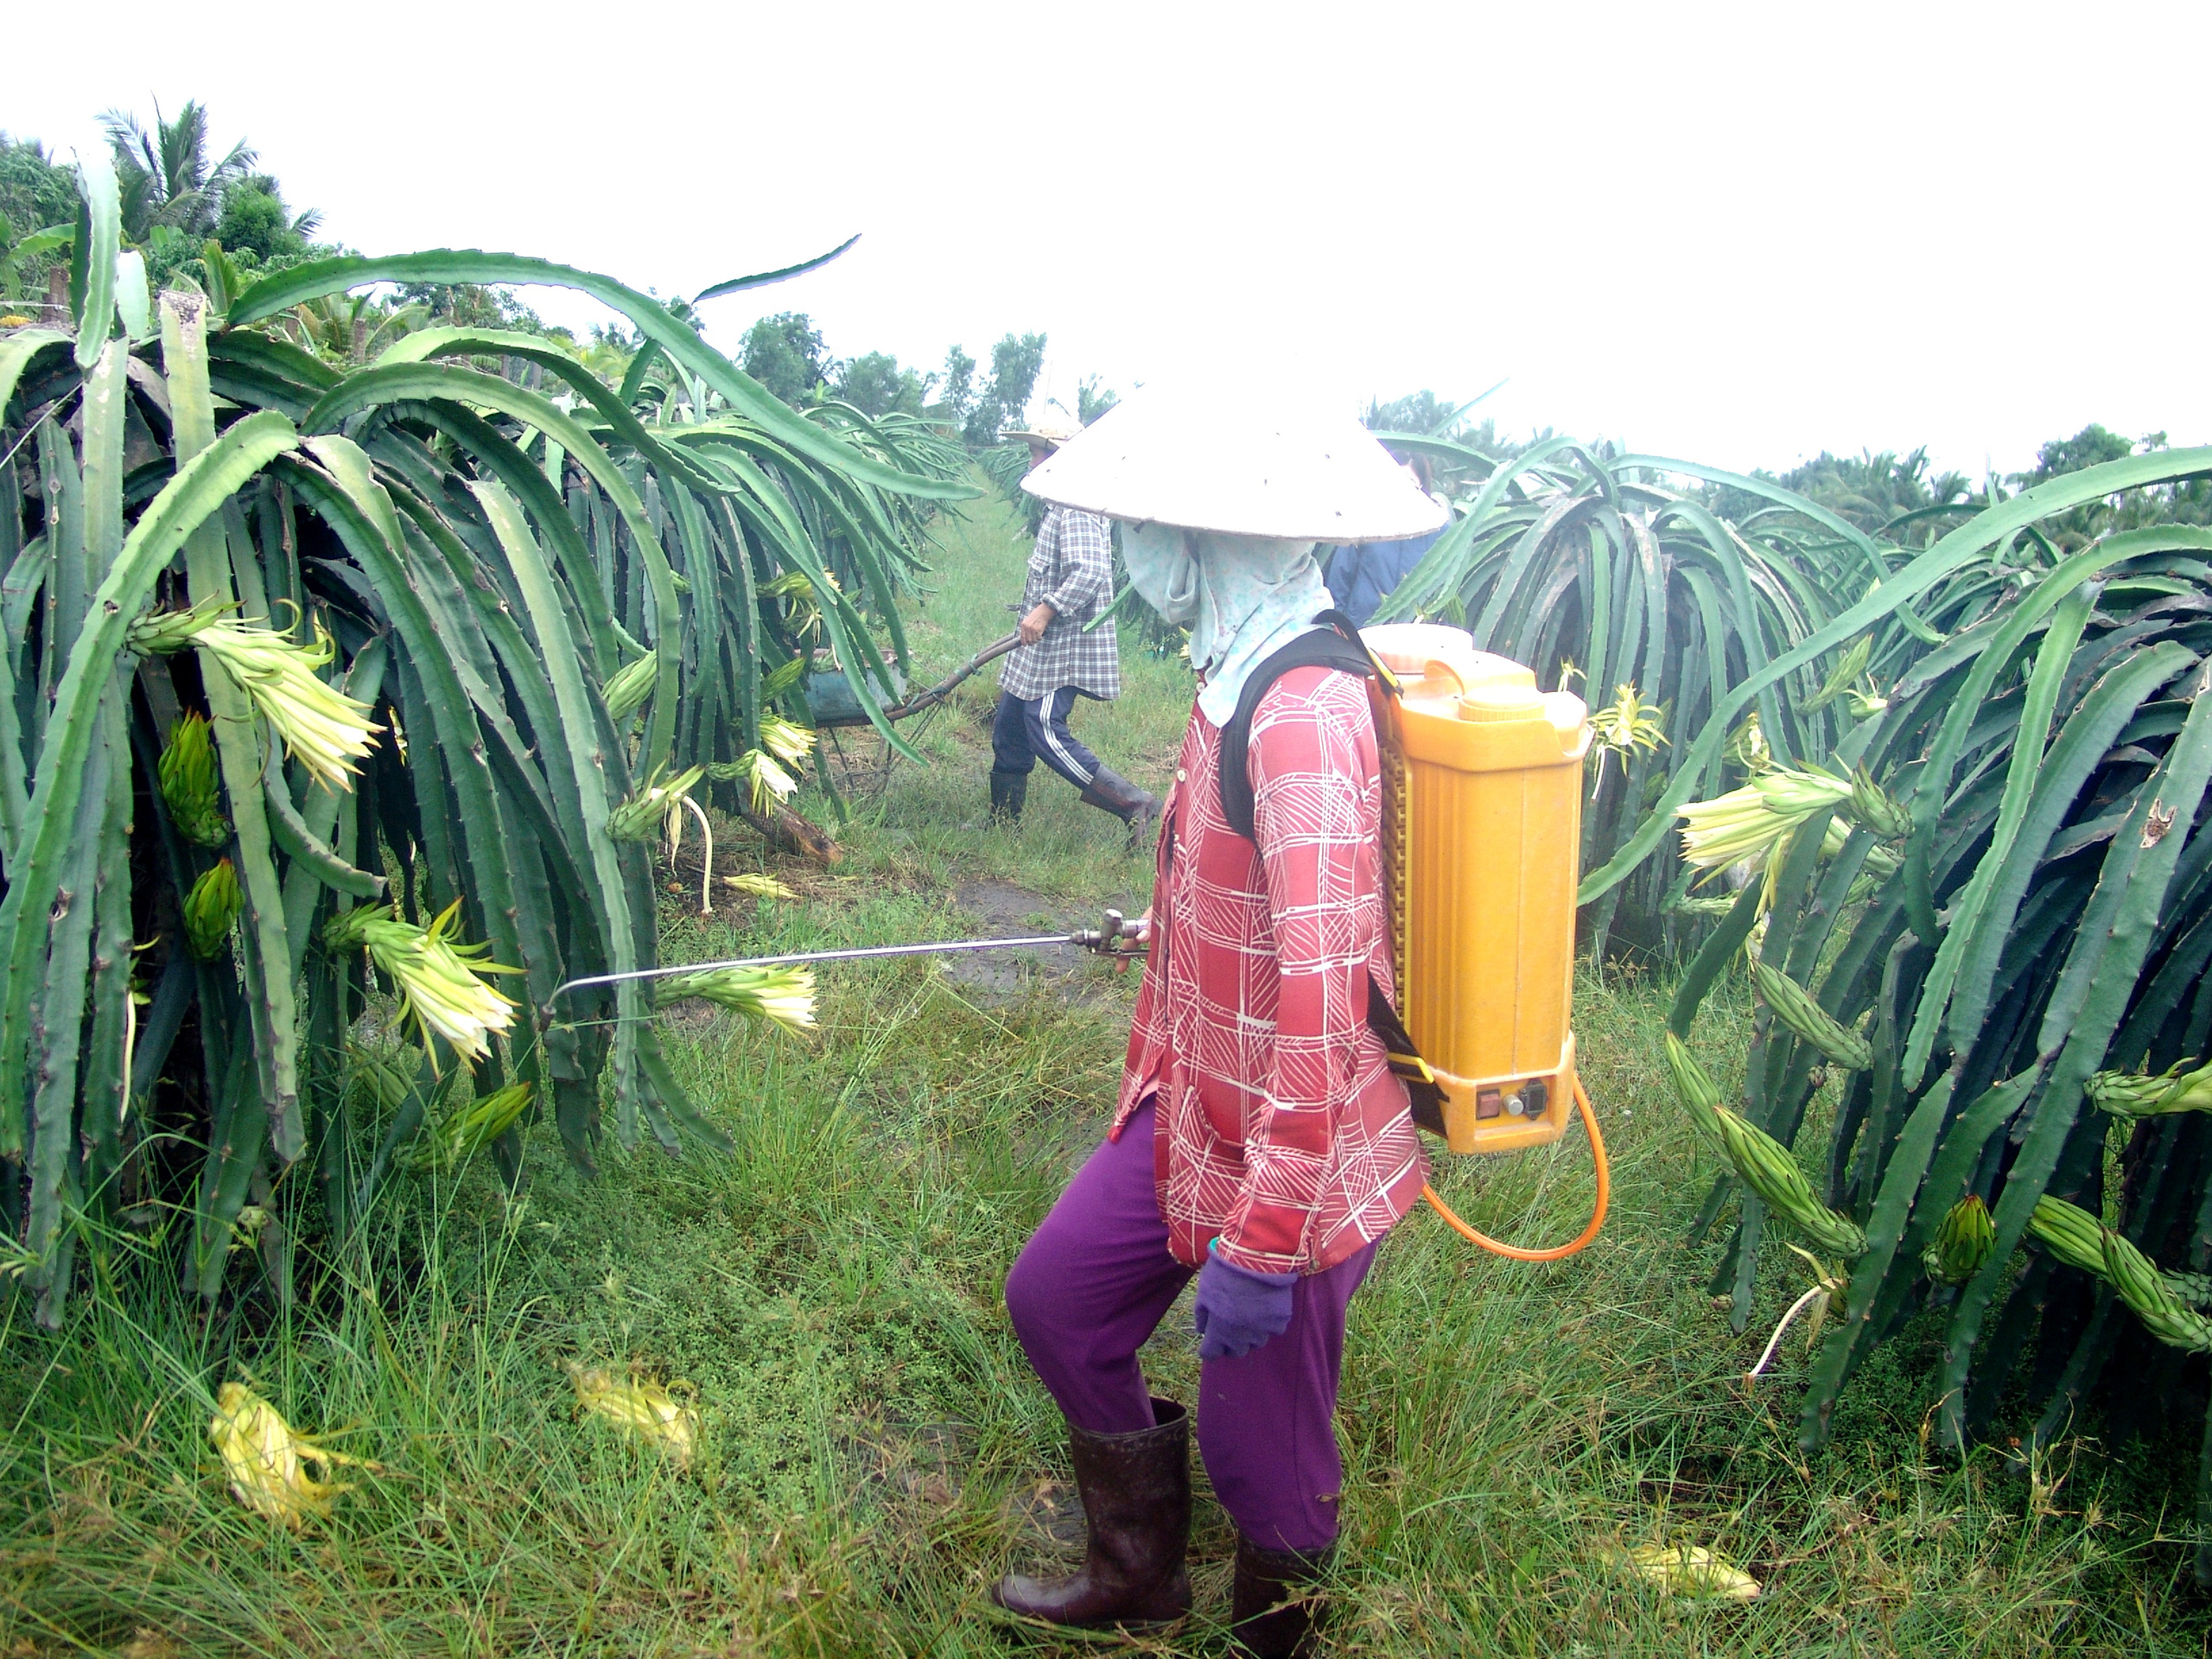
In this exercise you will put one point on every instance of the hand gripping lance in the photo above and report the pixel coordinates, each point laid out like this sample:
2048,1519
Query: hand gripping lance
1115,936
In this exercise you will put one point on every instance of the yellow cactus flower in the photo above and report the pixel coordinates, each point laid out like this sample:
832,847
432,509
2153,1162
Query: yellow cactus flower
439,982
766,781
325,730
783,997
1627,724
789,743
1752,821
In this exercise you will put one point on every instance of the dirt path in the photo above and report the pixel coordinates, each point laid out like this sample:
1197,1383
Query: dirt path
1000,907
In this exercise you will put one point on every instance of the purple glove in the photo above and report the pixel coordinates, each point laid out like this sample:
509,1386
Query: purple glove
1239,1309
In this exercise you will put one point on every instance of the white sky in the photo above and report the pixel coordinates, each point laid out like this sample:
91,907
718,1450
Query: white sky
1733,233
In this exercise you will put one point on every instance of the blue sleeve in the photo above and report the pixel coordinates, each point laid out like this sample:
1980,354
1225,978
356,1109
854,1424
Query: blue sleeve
1405,556
1344,571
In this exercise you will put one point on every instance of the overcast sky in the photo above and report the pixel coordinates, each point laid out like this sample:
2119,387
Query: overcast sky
1736,234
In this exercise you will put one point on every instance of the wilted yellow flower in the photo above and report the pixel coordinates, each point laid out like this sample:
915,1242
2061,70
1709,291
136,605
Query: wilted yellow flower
766,885
322,727
1690,1570
783,996
438,979
648,1410
266,1460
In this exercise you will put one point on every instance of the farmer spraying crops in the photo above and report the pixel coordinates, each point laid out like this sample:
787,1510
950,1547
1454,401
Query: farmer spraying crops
1260,1141
1061,657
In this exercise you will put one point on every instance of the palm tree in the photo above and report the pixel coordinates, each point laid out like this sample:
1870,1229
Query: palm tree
1886,493
166,176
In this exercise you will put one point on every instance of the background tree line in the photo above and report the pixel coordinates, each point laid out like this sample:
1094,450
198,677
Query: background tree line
787,354
179,194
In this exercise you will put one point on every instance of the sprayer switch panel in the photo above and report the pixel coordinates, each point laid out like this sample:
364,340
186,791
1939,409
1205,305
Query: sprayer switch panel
1535,1096
1489,1102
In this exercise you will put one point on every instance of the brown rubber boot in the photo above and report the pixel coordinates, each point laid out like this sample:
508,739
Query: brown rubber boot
1112,793
1266,1621
1136,1501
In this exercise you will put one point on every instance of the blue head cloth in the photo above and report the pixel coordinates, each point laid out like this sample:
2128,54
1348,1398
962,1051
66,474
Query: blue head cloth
1243,597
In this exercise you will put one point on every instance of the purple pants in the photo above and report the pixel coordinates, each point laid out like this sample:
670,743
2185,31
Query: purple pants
1094,1282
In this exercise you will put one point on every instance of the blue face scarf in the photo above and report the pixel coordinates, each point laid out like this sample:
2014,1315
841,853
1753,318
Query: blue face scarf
1243,597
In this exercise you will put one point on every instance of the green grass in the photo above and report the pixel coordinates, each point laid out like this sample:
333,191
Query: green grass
874,1449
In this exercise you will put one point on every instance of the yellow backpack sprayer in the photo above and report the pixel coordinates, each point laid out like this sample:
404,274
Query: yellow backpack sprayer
1482,821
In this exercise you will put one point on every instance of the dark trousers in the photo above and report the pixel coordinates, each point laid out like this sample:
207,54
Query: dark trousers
1094,1280
1024,733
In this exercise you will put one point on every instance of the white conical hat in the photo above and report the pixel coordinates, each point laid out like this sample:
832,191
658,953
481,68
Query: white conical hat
1171,457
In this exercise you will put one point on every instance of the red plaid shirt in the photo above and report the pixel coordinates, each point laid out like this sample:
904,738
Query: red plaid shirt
1281,1128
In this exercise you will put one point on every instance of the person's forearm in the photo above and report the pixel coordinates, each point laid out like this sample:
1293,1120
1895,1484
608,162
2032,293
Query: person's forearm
1288,1139
1081,586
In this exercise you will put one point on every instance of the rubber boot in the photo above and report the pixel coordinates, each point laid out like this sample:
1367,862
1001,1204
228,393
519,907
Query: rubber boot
1136,1501
1266,1621
1109,791
1008,790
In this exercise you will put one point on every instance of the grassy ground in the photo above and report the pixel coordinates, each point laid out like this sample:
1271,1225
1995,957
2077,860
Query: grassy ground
874,1451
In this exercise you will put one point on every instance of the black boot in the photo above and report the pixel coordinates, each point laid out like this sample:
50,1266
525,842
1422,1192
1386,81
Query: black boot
1109,791
1266,1623
1136,1501
1008,790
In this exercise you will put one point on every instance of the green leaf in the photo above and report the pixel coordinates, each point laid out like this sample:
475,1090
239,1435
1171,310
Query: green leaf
197,492
584,756
396,381
311,281
736,284
1947,555
104,203
19,351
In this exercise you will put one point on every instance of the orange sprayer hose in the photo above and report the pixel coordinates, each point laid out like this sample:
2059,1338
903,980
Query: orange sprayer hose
1597,1215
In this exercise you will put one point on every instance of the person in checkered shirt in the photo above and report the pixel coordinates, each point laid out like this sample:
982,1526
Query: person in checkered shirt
1261,1144
1061,657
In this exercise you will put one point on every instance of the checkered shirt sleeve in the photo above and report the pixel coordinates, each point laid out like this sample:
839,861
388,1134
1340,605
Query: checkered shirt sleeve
1281,1128
1071,569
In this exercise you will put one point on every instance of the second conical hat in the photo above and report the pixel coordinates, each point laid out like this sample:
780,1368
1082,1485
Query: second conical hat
1169,457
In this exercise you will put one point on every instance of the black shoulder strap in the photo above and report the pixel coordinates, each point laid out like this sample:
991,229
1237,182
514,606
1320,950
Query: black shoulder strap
1335,645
